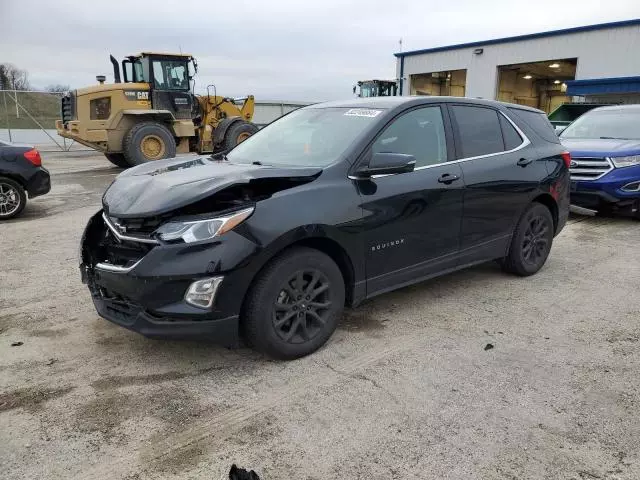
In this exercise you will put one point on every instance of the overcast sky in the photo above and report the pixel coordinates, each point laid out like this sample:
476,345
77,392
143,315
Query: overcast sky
275,49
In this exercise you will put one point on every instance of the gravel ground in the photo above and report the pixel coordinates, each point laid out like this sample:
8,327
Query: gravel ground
405,389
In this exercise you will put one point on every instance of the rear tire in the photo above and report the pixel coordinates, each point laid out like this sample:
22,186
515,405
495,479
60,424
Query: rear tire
117,159
238,133
13,198
531,241
294,305
147,142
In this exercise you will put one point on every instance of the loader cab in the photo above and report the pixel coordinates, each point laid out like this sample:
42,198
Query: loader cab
375,88
169,78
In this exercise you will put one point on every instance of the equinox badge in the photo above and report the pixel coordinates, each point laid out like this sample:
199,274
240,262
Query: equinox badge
392,243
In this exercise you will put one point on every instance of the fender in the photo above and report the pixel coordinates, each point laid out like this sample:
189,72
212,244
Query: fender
165,115
221,130
325,238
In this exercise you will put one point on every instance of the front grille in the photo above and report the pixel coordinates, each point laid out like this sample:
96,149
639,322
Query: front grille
142,227
589,168
68,107
120,252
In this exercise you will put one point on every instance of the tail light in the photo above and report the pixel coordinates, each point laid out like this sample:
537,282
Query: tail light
34,157
566,156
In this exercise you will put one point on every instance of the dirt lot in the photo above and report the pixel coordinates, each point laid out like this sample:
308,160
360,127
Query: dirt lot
405,389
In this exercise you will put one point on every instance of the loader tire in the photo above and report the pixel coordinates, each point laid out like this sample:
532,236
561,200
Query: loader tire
117,159
148,141
238,133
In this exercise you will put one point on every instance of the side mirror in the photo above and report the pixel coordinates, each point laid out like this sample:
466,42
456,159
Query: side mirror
386,163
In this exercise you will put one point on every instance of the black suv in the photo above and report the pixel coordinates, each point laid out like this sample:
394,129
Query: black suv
328,206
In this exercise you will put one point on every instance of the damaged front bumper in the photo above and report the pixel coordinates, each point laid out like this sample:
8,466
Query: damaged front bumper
141,285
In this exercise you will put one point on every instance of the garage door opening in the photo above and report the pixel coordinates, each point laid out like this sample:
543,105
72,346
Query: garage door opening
451,83
537,84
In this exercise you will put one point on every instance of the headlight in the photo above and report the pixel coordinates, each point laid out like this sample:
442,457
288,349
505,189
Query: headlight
199,230
626,161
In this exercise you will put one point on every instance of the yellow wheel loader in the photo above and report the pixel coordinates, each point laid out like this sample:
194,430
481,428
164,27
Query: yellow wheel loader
152,113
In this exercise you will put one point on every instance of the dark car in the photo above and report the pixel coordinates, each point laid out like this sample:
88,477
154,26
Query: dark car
328,206
21,172
605,169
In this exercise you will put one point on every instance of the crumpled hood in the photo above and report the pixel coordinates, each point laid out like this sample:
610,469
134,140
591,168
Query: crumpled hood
159,187
601,147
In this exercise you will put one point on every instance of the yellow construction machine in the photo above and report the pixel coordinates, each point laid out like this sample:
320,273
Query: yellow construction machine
152,112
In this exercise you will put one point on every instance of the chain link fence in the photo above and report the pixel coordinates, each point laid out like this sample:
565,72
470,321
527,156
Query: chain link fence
29,117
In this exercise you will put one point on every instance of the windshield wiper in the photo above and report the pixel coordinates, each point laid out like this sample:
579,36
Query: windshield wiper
256,162
614,138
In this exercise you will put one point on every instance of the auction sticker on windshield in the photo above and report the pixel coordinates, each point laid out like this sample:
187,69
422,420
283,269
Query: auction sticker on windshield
362,112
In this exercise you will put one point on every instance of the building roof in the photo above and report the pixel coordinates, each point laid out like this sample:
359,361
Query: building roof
518,38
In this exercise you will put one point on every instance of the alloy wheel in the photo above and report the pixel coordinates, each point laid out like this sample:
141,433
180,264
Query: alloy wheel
9,199
535,242
302,306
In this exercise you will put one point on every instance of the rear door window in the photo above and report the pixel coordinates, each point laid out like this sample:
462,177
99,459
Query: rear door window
479,130
538,122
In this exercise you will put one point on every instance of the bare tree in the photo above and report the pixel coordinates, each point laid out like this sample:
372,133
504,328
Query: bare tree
57,88
13,78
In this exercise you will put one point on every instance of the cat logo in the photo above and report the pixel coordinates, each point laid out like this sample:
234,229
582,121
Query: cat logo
136,95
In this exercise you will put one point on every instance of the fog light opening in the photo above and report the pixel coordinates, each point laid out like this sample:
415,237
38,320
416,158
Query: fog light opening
202,293
632,187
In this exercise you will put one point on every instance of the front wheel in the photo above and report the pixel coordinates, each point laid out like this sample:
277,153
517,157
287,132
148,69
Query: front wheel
531,242
238,133
294,304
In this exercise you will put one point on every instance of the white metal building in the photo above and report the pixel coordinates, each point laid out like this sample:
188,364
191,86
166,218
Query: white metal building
597,63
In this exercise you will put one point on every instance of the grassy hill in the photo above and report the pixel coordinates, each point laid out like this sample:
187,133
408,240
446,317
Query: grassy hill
43,107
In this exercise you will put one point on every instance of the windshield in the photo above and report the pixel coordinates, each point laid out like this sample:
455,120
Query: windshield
368,90
170,75
606,124
313,137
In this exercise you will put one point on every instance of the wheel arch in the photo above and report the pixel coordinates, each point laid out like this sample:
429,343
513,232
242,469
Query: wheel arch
15,178
548,201
325,244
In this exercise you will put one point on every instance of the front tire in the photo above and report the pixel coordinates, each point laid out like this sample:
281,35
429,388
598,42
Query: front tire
294,304
147,142
238,133
531,241
12,198
117,159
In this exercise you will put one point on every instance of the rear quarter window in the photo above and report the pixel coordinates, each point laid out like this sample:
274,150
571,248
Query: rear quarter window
538,122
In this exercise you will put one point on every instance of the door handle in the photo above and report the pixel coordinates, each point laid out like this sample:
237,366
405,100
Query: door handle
523,162
448,178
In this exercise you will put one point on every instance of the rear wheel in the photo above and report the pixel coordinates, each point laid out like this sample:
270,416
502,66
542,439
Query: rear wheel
294,304
148,141
117,159
238,133
12,198
531,242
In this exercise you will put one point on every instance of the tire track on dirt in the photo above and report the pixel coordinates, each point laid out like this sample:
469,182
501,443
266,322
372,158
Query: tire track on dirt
219,427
